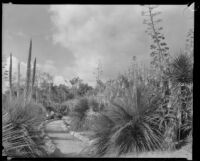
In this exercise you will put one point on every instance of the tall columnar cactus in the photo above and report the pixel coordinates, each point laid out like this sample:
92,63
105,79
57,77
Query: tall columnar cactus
10,75
18,80
28,73
33,77
34,70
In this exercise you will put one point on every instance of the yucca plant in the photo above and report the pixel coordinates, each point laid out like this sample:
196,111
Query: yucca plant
180,75
125,128
181,71
79,114
21,136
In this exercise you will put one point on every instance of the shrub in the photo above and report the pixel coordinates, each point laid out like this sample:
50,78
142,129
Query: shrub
125,128
79,114
94,105
64,109
21,134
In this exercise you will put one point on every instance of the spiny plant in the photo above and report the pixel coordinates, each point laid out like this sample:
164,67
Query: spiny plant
34,70
181,71
28,73
10,76
181,76
21,136
18,80
33,77
160,50
125,128
79,114
189,43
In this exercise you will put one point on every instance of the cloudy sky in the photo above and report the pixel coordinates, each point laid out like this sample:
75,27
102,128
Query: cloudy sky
70,40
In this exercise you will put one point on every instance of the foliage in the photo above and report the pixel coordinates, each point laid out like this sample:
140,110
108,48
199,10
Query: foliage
21,136
181,71
124,127
190,43
79,114
94,105
83,89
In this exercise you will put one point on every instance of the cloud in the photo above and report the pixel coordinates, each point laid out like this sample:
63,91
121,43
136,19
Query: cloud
93,33
21,34
5,83
111,34
59,80
49,67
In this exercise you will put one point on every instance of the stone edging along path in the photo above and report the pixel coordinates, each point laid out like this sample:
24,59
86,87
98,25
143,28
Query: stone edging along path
69,143
49,145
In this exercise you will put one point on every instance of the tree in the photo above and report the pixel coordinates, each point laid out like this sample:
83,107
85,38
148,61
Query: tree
83,89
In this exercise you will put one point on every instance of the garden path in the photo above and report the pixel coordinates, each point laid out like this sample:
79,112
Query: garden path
67,144
71,146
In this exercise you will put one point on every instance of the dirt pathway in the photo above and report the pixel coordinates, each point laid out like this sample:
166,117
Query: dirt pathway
64,141
70,146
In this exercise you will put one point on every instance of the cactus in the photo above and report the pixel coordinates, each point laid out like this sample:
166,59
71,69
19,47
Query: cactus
28,73
34,70
33,78
18,80
10,76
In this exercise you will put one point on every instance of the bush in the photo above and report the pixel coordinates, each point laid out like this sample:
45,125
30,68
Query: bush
81,107
79,114
94,105
128,125
64,109
21,134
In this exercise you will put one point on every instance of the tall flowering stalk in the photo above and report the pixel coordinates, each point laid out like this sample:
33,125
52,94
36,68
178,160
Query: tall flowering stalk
160,50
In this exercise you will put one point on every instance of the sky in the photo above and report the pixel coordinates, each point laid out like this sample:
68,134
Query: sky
70,40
